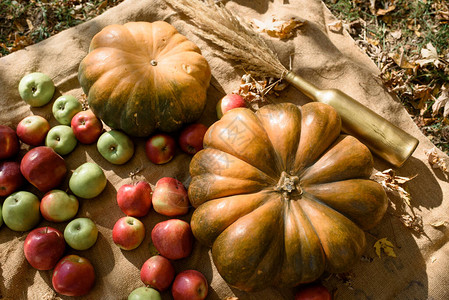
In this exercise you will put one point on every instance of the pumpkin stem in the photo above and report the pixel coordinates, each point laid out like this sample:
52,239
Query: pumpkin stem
288,184
153,62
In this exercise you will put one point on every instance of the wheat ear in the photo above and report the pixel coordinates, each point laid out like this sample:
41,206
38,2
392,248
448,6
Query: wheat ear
236,40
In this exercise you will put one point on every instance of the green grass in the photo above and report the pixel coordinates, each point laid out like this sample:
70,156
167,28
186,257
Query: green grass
25,22
419,22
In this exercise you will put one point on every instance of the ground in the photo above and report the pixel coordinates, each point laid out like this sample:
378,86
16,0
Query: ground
407,39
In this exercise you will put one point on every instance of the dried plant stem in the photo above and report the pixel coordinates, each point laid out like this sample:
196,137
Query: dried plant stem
236,40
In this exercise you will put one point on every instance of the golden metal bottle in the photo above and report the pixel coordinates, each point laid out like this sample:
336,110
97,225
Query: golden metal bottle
382,137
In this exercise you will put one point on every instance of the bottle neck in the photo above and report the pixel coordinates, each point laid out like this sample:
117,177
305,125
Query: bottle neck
302,85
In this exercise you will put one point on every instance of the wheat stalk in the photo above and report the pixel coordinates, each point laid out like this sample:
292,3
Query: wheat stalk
236,40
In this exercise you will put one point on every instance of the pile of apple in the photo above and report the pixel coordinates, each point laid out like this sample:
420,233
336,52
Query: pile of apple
172,238
44,167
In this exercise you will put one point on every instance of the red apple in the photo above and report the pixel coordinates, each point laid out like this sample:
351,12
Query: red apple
191,138
173,238
86,127
32,130
73,276
160,148
128,233
135,199
44,247
9,143
58,206
43,168
314,291
10,177
157,272
229,102
189,285
170,197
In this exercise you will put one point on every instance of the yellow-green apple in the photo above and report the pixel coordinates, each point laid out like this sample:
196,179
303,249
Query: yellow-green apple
313,291
11,178
157,272
81,233
1,216
144,293
115,146
43,168
160,148
73,276
173,238
58,206
21,211
44,247
88,180
135,199
36,89
62,139
191,138
189,285
128,233
65,107
170,197
86,127
229,102
32,130
9,143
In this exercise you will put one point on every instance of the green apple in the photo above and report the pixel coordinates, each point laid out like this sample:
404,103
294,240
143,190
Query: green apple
87,181
65,107
36,89
21,211
81,233
62,139
1,218
58,206
115,146
144,293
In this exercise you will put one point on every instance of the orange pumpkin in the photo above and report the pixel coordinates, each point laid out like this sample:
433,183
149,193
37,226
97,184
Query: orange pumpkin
144,76
281,196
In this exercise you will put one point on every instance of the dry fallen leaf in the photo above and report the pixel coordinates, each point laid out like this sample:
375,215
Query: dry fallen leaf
396,34
335,26
282,29
383,12
253,91
393,183
401,60
413,222
438,224
436,161
442,101
386,246
429,56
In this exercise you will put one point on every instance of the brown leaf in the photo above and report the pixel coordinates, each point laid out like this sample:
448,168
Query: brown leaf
393,183
253,90
281,29
438,224
336,26
414,222
442,101
383,12
429,56
30,25
436,161
401,60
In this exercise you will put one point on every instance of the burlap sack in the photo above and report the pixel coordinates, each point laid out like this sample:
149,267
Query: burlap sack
327,58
